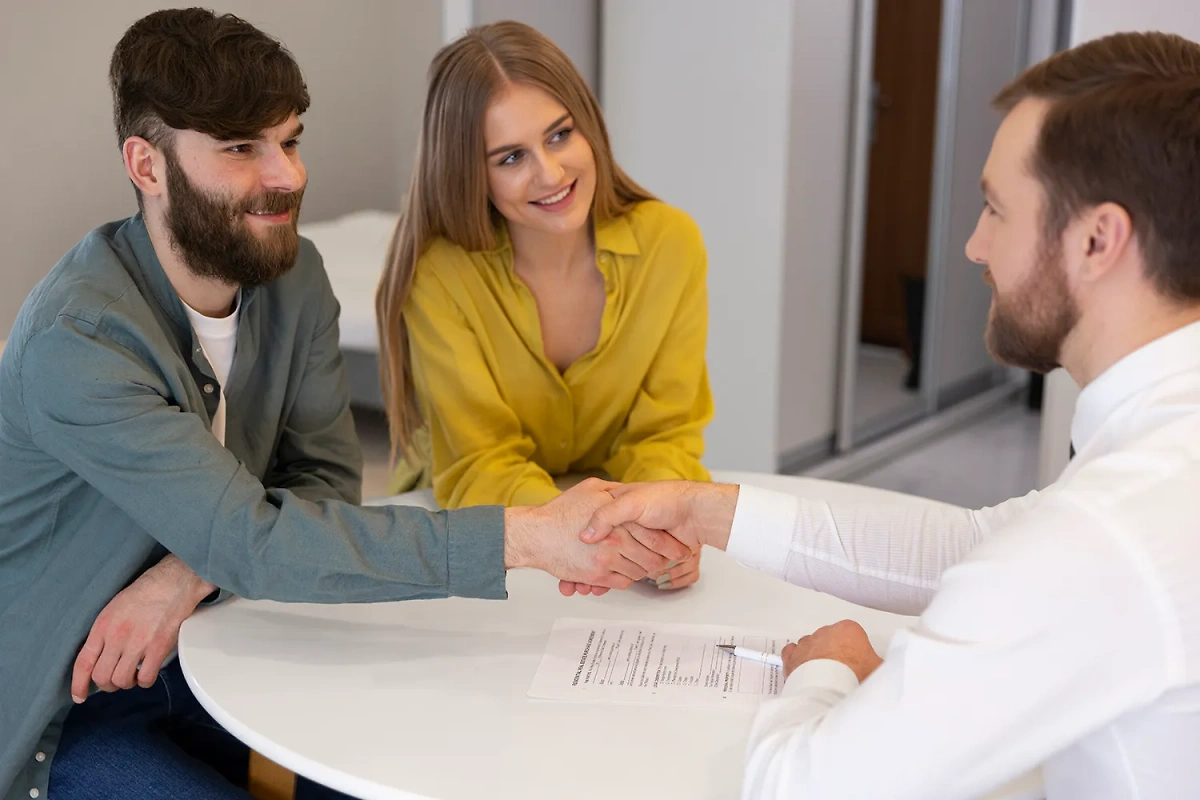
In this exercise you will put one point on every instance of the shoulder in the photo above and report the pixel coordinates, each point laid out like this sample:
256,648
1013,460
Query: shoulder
441,251
654,223
84,284
1144,491
666,235
89,299
442,272
444,260
670,250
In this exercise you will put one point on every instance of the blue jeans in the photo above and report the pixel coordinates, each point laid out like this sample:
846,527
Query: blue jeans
153,743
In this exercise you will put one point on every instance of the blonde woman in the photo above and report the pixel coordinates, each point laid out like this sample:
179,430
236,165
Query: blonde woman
541,314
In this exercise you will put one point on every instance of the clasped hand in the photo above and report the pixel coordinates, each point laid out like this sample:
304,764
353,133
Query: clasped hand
547,538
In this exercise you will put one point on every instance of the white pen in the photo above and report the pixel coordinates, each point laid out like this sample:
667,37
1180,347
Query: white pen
752,655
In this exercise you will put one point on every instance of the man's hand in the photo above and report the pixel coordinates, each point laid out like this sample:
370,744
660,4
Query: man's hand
138,626
546,537
843,641
694,513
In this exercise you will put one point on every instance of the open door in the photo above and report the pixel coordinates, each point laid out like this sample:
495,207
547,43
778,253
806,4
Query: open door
914,308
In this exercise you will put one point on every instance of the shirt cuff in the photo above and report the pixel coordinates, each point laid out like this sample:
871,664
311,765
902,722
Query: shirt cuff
475,552
216,596
764,523
823,674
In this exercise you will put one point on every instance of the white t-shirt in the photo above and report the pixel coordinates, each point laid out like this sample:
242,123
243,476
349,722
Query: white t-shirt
218,339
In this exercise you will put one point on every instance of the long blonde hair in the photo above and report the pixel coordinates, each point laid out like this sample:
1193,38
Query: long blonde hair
448,194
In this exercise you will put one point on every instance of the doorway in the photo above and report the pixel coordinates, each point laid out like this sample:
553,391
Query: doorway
903,127
914,311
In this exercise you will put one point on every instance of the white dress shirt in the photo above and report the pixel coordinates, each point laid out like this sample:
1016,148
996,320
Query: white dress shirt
1061,628
218,340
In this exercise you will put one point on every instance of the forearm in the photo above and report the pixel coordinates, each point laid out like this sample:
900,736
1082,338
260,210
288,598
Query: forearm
115,429
173,572
659,461
496,478
334,552
876,549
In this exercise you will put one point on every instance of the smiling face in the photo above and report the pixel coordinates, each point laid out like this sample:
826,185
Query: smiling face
232,206
541,172
1032,309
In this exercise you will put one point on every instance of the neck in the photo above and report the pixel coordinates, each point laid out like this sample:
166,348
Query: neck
1105,336
210,297
542,253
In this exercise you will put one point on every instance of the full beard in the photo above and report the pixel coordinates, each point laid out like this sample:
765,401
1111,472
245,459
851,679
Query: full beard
1027,328
213,238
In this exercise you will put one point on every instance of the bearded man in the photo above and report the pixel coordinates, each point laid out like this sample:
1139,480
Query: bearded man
175,424
1060,629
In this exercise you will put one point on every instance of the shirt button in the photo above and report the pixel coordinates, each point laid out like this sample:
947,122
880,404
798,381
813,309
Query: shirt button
40,757
34,792
208,388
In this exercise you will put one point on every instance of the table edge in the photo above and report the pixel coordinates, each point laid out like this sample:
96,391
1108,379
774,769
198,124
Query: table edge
322,774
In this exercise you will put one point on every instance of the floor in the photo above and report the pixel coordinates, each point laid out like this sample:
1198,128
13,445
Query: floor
879,389
980,465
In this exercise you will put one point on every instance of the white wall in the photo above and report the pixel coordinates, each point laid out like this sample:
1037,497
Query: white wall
570,24
697,94
364,63
1092,19
1043,29
817,168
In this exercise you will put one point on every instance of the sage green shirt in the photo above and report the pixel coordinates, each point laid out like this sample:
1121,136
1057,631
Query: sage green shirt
107,463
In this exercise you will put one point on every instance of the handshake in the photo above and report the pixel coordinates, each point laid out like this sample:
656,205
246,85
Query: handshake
601,535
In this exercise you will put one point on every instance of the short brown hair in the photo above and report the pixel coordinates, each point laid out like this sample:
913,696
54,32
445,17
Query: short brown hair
189,69
1124,127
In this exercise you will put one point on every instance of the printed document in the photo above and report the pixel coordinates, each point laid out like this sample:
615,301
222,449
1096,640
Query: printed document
599,660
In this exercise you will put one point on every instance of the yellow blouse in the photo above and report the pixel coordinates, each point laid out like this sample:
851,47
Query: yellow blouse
503,420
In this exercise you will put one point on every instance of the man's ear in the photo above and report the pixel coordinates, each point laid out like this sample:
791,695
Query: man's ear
145,166
1104,238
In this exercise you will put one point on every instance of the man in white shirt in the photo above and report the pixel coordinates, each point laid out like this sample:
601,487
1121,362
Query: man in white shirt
1061,628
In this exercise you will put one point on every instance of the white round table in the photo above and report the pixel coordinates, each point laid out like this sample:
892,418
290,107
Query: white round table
427,698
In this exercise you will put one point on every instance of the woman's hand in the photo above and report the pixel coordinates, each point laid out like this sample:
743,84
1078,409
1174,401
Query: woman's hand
680,574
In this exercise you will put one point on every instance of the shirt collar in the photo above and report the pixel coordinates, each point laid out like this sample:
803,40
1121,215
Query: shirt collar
1178,351
152,273
160,285
616,237
613,236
